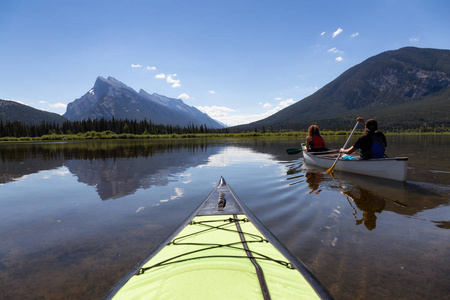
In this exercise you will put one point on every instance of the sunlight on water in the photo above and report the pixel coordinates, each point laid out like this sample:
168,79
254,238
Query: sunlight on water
230,156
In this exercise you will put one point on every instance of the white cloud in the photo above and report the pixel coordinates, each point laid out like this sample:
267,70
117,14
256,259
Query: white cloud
169,78
339,58
175,82
151,68
286,103
136,66
226,116
184,96
58,105
323,33
354,34
45,105
280,105
337,32
216,111
237,120
334,50
413,39
18,101
211,92
178,193
62,172
232,117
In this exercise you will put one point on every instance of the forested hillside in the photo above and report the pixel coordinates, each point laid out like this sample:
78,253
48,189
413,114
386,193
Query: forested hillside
404,89
11,111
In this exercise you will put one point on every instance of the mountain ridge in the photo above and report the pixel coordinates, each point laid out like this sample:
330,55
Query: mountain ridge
110,98
376,88
11,111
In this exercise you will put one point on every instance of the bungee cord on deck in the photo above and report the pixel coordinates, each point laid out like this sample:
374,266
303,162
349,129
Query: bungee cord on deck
211,246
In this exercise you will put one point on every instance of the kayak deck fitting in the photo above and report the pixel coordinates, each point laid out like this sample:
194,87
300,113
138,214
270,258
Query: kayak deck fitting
221,251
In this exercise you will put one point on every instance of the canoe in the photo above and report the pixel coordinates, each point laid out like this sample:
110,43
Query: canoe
389,167
221,251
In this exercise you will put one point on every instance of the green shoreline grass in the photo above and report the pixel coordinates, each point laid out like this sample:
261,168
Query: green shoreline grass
108,135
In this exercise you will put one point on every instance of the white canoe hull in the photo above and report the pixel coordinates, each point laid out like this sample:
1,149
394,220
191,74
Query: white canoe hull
390,168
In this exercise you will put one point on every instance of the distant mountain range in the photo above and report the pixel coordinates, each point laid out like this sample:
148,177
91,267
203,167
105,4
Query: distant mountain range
405,88
111,98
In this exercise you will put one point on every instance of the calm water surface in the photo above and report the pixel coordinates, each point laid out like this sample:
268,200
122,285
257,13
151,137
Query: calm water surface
76,217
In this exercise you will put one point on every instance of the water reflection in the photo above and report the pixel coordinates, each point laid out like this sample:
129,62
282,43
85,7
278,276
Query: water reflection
368,197
119,168
365,204
314,179
370,204
52,219
114,168
118,177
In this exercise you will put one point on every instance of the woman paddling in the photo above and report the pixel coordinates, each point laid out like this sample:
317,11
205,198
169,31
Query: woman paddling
314,141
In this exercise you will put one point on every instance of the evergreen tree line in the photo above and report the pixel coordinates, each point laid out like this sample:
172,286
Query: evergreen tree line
20,129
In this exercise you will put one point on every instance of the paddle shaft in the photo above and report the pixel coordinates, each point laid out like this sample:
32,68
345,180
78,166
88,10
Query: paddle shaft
345,145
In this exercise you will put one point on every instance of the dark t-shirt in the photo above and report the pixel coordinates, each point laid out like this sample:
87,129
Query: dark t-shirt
364,142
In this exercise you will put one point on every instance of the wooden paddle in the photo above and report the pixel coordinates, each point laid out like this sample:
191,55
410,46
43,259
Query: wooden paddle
330,170
292,151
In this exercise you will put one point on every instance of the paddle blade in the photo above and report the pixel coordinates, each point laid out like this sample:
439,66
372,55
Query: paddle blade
331,175
293,151
330,170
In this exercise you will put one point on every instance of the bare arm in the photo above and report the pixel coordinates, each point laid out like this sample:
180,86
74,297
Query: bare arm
349,150
352,148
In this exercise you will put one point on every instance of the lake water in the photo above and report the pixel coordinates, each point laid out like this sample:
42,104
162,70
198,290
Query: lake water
76,217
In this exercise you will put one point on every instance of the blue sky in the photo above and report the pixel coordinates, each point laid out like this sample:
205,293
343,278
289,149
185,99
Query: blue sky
239,61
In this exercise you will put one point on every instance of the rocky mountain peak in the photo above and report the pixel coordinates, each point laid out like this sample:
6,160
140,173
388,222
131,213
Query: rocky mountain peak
112,98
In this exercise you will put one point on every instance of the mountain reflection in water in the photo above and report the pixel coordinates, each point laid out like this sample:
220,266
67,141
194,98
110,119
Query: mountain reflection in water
115,169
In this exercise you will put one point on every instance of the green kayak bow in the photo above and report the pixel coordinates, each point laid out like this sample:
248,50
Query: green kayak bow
221,251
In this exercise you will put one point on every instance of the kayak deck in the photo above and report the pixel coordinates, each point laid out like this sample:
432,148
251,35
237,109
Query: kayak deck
220,253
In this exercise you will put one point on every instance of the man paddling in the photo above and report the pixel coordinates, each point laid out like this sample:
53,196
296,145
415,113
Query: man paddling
372,143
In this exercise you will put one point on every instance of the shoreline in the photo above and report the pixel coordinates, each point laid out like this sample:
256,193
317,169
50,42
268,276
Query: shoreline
108,135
